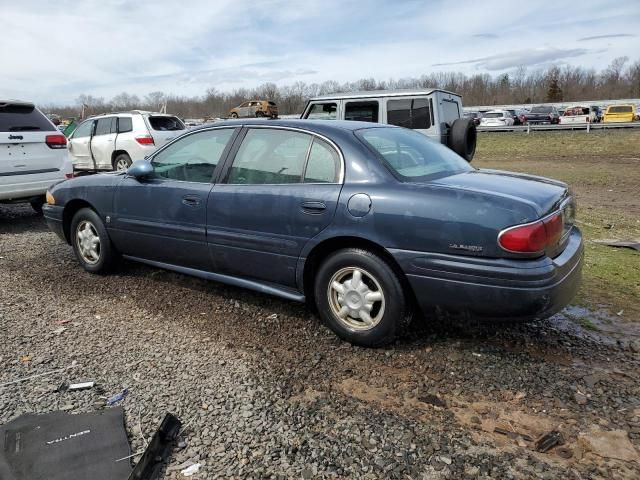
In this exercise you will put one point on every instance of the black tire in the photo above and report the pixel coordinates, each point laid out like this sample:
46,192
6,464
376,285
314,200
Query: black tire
106,255
37,203
463,137
259,114
120,161
388,316
234,115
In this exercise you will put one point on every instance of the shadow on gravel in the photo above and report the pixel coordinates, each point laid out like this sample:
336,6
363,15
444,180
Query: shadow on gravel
20,219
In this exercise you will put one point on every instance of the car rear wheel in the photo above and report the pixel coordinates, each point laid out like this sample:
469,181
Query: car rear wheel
234,115
91,243
361,298
122,162
259,114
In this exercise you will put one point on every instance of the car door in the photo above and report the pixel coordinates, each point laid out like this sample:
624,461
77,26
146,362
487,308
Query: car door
163,218
79,145
103,142
280,189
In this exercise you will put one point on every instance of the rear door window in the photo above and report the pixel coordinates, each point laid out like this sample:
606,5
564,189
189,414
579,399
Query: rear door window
270,156
22,118
323,111
409,113
125,124
362,111
165,124
323,164
450,110
103,126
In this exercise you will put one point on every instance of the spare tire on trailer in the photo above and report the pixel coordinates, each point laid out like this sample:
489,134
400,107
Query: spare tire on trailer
462,138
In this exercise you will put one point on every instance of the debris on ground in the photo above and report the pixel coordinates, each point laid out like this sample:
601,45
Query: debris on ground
193,469
81,386
547,441
609,444
118,397
513,435
633,244
157,452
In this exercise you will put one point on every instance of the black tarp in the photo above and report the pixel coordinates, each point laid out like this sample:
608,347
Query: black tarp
62,446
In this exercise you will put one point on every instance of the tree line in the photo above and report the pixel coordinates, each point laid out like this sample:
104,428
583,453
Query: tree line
620,79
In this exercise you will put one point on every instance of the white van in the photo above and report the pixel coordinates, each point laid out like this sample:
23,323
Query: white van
33,154
113,141
433,112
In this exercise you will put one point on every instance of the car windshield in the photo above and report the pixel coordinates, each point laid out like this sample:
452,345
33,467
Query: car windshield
493,115
541,110
621,109
411,155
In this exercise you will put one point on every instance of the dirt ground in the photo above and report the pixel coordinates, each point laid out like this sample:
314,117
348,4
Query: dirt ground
268,392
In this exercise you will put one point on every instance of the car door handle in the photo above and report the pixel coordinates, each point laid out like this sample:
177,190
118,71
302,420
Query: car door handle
191,200
313,207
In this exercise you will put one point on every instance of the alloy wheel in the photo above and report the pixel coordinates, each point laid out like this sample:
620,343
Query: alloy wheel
356,298
88,242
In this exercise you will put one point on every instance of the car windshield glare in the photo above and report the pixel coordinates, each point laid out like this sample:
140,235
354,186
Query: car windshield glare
541,110
412,156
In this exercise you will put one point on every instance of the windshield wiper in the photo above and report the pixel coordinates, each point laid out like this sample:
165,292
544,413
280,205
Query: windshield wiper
24,128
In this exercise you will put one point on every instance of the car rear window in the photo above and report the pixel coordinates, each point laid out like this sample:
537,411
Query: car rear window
22,118
541,110
412,156
620,109
164,124
493,115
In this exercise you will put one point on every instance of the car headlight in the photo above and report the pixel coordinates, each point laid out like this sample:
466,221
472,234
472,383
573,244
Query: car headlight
50,199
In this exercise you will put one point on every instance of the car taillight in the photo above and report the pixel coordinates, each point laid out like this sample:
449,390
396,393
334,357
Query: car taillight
146,140
532,237
56,141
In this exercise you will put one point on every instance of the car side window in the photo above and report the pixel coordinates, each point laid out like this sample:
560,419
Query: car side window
192,158
323,111
125,124
84,130
323,164
270,156
103,126
409,113
362,111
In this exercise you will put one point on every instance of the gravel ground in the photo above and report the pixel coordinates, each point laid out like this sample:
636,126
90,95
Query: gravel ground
267,392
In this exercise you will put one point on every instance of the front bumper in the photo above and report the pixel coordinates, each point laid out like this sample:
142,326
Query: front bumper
495,288
53,215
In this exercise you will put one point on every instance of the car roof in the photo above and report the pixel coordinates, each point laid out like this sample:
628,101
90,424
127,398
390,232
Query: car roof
380,93
319,126
16,103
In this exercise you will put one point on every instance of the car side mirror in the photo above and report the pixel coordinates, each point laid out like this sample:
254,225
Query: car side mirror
140,169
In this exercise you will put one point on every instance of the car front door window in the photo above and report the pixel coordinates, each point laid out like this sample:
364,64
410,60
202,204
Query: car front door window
194,157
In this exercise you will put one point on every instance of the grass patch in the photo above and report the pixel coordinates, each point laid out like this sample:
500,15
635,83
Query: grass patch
603,170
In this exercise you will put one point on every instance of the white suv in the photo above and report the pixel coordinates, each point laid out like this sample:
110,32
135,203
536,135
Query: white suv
113,141
33,154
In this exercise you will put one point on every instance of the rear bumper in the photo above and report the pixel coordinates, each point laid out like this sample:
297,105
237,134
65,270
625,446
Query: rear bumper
53,215
495,288
18,187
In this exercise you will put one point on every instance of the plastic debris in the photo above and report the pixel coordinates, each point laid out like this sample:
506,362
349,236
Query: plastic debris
73,365
118,397
81,386
187,472
547,441
634,244
513,435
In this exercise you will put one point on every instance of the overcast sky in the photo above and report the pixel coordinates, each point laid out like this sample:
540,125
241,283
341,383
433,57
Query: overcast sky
50,52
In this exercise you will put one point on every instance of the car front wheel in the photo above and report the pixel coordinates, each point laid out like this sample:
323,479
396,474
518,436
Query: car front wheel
122,162
91,242
361,298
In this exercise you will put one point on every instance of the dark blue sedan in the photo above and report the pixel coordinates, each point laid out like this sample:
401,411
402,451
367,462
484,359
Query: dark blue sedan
367,221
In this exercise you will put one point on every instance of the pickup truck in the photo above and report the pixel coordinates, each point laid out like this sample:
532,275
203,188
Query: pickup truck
578,115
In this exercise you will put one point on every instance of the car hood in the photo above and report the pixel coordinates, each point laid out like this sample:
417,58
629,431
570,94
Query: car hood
543,195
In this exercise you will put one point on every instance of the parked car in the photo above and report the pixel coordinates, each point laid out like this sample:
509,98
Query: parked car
113,141
475,116
358,218
432,112
598,113
33,154
497,118
515,114
578,115
541,114
255,108
620,113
